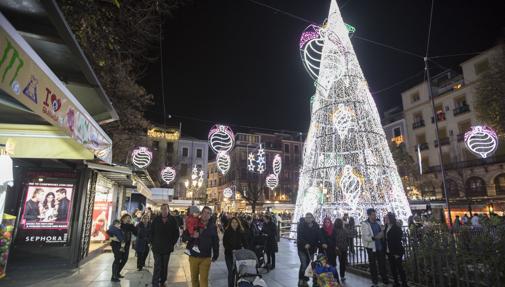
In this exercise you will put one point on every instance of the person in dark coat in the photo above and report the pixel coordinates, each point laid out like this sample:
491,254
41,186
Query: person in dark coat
327,238
271,247
208,244
234,238
32,210
307,241
394,249
128,229
116,242
63,204
164,235
341,237
142,243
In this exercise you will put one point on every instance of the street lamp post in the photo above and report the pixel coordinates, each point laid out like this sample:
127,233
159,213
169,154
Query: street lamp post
194,185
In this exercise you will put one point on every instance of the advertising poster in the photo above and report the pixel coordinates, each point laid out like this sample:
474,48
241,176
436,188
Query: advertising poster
46,213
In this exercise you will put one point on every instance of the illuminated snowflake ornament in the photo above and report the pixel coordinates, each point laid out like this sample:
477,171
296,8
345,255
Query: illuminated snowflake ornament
256,163
168,174
223,162
347,165
142,157
227,192
481,140
250,162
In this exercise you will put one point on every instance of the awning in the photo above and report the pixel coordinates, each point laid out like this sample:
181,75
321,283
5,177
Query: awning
40,141
27,79
123,176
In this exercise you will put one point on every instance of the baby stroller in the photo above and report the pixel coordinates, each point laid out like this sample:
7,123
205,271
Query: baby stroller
245,269
325,274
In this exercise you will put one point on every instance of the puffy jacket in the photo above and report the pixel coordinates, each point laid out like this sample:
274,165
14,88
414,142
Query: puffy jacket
307,235
233,240
367,235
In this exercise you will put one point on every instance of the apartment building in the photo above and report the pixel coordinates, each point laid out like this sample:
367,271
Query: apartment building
471,182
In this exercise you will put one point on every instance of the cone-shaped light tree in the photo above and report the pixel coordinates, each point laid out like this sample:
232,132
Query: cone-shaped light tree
347,164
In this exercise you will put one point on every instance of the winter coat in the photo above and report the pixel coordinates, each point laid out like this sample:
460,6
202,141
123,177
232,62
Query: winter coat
164,235
367,235
341,238
329,240
393,239
143,235
270,231
128,229
233,240
208,242
307,235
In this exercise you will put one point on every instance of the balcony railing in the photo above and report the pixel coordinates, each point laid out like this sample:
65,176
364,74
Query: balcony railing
443,141
468,163
418,124
423,146
461,110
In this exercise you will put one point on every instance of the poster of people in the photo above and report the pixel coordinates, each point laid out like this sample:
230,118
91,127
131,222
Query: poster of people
46,213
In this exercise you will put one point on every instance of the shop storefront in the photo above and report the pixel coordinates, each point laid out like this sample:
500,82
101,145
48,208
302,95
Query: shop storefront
49,134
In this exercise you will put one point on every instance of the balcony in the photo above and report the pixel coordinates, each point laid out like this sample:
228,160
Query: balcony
440,117
461,110
423,146
461,137
418,124
443,141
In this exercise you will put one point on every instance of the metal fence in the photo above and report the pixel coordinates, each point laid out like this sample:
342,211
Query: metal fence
435,256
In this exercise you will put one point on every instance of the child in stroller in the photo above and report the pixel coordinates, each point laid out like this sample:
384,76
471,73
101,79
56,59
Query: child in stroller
245,269
326,275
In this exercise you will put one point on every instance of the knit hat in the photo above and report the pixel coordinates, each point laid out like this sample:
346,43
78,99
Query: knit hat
194,209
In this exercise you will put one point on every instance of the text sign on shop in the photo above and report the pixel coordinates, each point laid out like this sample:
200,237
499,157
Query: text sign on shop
25,77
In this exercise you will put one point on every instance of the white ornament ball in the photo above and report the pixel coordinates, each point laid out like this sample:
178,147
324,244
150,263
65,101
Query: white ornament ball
141,157
168,174
221,138
481,140
272,181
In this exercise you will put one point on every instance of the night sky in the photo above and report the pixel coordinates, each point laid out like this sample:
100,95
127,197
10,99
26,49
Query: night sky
238,63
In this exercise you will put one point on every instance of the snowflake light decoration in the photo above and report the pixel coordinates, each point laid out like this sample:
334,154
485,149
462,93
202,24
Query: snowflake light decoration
481,140
227,192
347,165
250,162
256,163
142,157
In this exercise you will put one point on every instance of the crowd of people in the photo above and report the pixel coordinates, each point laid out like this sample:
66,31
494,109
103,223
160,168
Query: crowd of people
198,230
333,240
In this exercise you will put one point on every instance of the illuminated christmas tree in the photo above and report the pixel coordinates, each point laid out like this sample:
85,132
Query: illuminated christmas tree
347,164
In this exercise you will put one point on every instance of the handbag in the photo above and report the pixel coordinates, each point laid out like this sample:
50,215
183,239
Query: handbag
309,272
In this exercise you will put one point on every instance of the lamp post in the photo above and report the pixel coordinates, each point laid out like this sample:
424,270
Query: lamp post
194,185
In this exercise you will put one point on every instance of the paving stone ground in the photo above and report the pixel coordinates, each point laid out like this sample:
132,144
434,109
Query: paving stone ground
97,273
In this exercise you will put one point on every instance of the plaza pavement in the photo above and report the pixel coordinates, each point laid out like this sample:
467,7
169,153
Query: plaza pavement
97,272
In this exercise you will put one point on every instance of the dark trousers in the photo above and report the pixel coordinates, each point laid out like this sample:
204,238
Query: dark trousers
118,256
229,264
304,263
271,258
332,256
396,266
374,259
124,258
141,257
160,268
342,262
351,244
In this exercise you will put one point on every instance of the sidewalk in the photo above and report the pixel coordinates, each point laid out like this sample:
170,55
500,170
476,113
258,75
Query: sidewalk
97,272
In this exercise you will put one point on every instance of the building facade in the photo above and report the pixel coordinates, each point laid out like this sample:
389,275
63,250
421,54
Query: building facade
472,183
288,146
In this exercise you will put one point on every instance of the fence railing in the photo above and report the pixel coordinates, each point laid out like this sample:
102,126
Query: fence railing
435,256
